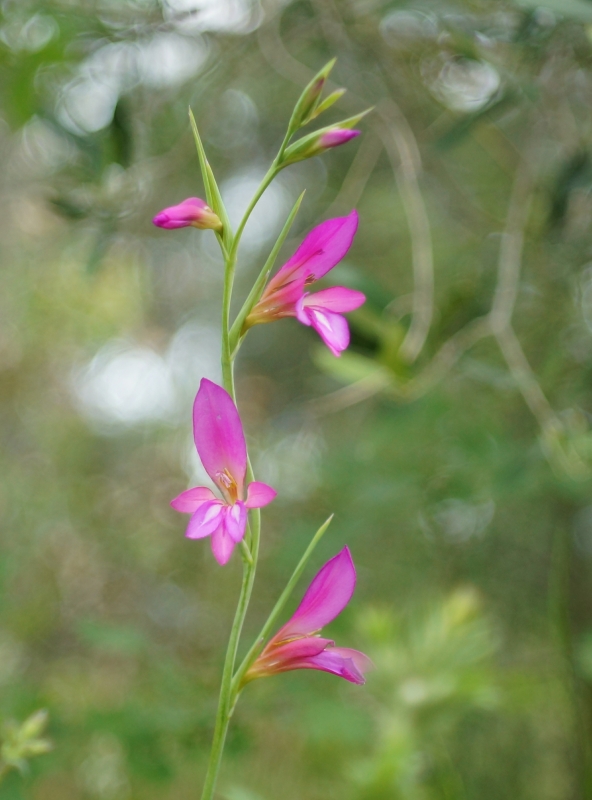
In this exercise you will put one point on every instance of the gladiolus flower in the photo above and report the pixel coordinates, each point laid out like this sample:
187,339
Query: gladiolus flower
298,646
285,294
193,211
220,443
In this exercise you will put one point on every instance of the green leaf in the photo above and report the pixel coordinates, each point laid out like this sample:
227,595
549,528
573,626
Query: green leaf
327,103
213,196
259,285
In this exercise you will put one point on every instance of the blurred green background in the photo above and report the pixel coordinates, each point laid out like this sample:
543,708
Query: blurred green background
458,461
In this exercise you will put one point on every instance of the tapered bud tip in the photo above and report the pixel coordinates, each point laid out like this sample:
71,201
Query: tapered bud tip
337,136
191,212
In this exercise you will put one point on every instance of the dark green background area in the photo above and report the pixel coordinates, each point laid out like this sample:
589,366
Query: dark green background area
470,523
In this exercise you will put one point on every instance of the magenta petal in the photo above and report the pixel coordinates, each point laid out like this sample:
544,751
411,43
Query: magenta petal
235,521
321,250
338,661
337,298
296,649
219,437
332,328
326,597
189,501
205,520
337,136
303,315
222,545
259,495
181,215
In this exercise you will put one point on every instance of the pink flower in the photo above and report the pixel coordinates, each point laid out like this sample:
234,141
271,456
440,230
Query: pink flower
220,443
285,294
193,211
298,646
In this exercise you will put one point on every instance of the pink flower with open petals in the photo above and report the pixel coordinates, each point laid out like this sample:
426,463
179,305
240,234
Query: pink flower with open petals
286,295
191,212
220,443
298,646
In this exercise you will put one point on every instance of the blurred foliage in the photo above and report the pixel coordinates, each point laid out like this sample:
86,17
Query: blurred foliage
464,462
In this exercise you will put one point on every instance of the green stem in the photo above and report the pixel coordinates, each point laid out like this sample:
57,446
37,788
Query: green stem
224,704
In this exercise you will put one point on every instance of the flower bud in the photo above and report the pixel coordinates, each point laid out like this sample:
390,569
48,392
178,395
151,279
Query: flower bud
318,142
310,97
193,211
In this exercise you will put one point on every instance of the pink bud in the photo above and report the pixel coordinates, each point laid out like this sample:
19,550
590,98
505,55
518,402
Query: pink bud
193,211
337,136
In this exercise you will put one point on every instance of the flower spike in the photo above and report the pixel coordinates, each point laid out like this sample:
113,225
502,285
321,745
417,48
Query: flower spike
286,295
297,644
220,443
191,212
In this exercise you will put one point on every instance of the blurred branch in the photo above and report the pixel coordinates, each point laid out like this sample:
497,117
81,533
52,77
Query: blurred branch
357,176
401,147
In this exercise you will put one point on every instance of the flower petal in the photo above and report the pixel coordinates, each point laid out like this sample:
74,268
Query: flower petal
297,648
337,298
331,327
259,494
326,597
235,521
189,501
219,437
205,520
181,215
339,661
321,250
222,545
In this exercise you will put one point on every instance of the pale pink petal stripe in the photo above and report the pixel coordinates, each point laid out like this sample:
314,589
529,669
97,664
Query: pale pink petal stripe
205,520
235,521
332,328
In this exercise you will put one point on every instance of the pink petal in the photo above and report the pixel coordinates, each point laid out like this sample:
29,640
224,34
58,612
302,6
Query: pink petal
235,521
321,250
205,520
219,437
337,298
326,597
295,649
181,215
339,661
337,136
331,327
222,545
259,495
189,501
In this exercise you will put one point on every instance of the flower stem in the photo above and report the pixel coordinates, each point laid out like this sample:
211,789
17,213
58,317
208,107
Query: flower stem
224,707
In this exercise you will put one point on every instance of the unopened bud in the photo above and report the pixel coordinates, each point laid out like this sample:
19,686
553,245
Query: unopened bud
309,99
191,212
318,142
